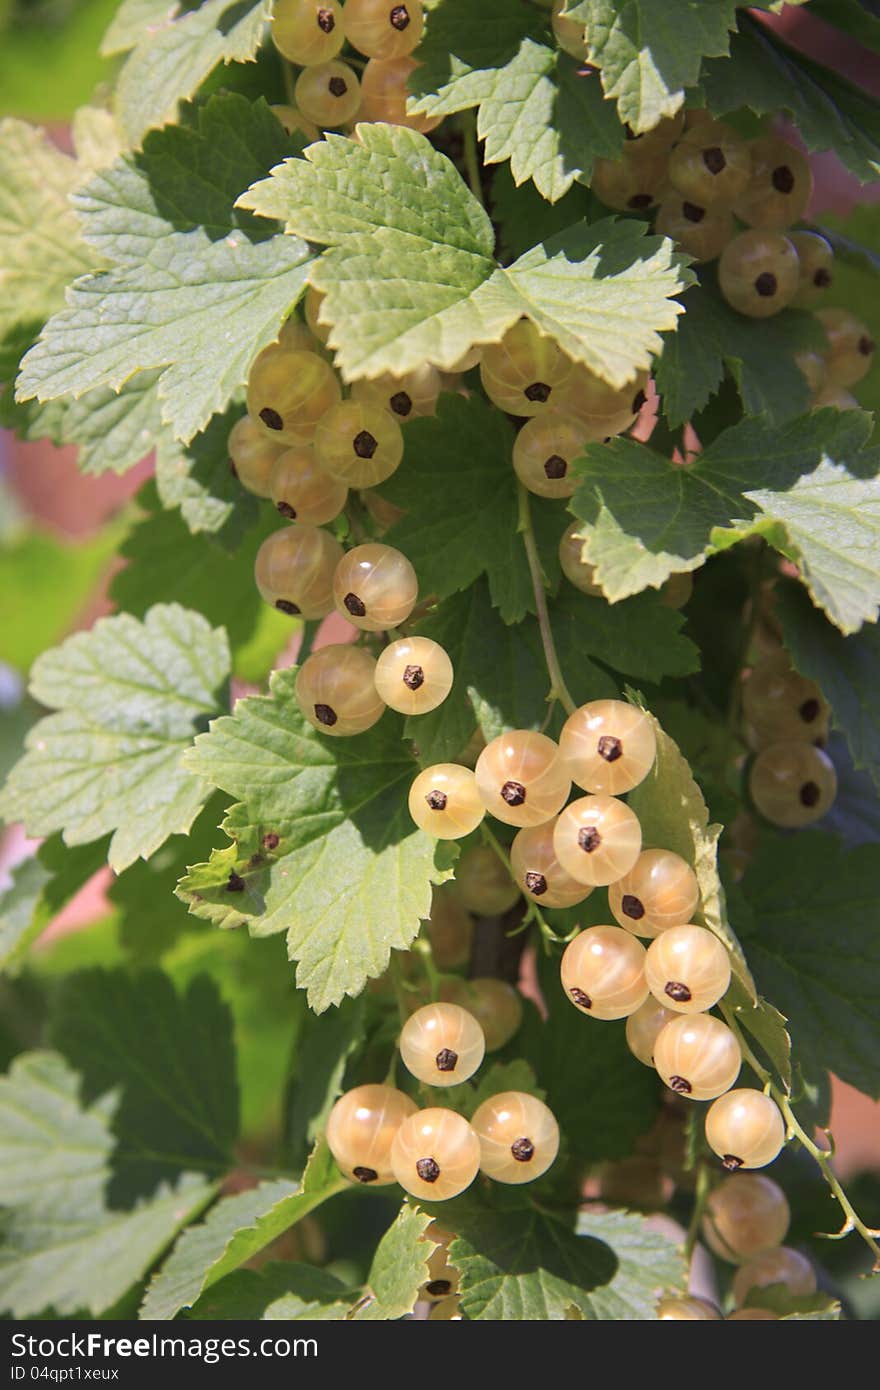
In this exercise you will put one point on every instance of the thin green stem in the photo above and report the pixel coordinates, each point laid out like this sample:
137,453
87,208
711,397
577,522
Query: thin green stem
852,1221
471,154
752,618
558,689
289,81
701,1196
422,949
400,990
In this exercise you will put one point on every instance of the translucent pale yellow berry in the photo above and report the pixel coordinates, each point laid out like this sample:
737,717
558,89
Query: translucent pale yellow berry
603,410
609,746
312,307
782,1266
597,840
384,93
495,1004
522,778
702,231
407,397
569,33
384,28
816,259
304,492
850,346
289,392
744,1216
781,705
660,891
687,969
307,31
435,1154
294,570
523,373
336,692
252,456
758,273
745,1129
603,972
690,1309
643,1028
444,801
375,587
443,1278
711,164
780,187
483,883
792,784
634,182
414,675
538,872
545,448
450,929
519,1137
442,1044
328,94
697,1056
577,571
359,443
361,1129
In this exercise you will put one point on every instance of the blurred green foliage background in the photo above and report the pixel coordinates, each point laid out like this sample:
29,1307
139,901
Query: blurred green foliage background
49,59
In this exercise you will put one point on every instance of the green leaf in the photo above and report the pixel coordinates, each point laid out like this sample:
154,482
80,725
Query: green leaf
347,876
648,51
131,19
813,938
324,1044
410,273
172,1058
40,888
646,517
399,1269
46,584
198,479
195,289
847,670
277,1291
504,1076
759,354
766,75
129,697
171,59
674,816
524,218
519,1264
65,1247
41,250
235,1230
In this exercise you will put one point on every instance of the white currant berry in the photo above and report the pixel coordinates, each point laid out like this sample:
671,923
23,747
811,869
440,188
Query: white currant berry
792,784
711,164
690,1309
435,1154
519,1137
545,448
758,273
569,33
603,972
495,1004
781,705
597,840
450,928
442,1044
697,1056
701,230
384,94
361,1129
602,409
745,1129
304,492
289,392
781,1265
688,969
328,94
336,692
780,187
483,882
253,456
408,397
444,801
294,570
307,31
523,373
375,587
414,675
644,1026
850,346
632,183
816,260
538,872
522,778
660,891
384,28
359,443
577,571
443,1278
609,746
744,1216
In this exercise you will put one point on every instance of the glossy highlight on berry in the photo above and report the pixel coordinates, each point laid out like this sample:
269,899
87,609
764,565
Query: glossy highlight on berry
361,1129
603,973
688,969
519,1137
294,570
609,746
745,1129
538,872
375,587
435,1154
522,778
414,675
442,1044
336,691
660,891
597,840
444,801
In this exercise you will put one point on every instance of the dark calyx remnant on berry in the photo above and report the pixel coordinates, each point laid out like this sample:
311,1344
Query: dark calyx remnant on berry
809,710
765,284
677,991
536,883
714,159
286,510
271,840
446,1059
355,606
514,793
438,1288
822,278
538,391
338,86
399,18
401,403
640,200
284,605
413,677
232,468
809,794
866,345
235,883
436,800
679,1084
365,444
325,714
555,466
523,1150
428,1169
581,998
610,748
589,839
638,401
364,1174
782,179
731,1162
326,22
693,212
633,907
271,419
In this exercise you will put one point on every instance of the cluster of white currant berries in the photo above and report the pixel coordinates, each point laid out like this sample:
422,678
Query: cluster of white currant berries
328,93
792,781
745,1221
378,1135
